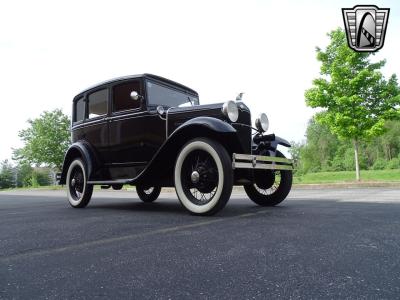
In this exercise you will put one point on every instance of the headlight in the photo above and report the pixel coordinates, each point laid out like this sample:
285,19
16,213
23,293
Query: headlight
231,110
262,122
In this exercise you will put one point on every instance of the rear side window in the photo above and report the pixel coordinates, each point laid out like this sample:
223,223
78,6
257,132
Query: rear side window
98,103
79,110
121,96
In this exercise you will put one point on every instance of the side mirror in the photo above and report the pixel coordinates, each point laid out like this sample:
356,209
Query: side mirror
135,96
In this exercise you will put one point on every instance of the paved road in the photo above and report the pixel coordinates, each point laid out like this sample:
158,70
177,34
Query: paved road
319,244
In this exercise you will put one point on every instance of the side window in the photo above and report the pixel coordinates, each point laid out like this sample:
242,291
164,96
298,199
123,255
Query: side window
98,103
121,96
79,110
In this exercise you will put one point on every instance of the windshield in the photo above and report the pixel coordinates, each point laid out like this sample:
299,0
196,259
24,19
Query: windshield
161,95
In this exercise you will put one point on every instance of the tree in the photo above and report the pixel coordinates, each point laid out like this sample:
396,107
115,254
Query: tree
355,97
294,152
324,151
7,178
46,140
24,175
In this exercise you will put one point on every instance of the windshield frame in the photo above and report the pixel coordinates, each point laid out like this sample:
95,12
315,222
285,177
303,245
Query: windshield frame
170,88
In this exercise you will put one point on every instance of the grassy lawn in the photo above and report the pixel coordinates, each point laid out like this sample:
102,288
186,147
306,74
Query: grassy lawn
310,178
348,176
46,187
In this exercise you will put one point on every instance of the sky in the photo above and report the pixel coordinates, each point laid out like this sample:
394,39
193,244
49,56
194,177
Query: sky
51,50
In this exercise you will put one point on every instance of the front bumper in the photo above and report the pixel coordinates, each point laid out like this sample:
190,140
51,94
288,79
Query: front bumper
247,161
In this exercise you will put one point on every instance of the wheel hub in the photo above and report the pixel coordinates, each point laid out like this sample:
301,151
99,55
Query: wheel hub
203,178
73,182
195,177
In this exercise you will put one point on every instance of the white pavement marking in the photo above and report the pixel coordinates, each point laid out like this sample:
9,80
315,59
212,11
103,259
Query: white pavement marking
106,241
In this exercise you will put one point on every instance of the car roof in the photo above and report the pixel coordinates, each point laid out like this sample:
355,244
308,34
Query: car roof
145,75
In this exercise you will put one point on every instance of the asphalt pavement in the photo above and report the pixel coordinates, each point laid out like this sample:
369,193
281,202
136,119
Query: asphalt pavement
318,244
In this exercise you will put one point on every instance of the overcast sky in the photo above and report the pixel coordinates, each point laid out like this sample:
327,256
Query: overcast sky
51,50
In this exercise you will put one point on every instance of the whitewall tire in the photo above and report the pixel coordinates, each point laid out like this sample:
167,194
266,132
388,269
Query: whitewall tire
78,191
203,176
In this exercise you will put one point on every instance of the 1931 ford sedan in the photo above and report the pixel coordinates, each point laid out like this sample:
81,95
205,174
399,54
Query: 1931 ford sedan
151,132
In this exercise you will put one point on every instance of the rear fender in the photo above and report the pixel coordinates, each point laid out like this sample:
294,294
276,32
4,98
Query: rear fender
79,149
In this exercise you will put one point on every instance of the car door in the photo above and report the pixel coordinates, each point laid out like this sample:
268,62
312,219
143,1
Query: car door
127,135
95,126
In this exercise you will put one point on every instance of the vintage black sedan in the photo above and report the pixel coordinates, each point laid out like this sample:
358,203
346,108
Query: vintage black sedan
151,132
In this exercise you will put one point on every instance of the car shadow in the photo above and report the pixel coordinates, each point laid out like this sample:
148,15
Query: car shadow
172,206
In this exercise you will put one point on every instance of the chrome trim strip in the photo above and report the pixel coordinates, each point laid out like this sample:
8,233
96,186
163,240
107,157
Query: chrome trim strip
110,182
166,122
262,158
246,161
242,165
127,164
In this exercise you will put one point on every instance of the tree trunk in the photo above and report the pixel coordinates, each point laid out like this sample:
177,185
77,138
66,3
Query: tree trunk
355,142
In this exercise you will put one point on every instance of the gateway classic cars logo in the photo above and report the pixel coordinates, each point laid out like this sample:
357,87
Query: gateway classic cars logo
365,27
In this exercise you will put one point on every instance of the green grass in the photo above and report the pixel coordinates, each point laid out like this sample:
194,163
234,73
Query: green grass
309,178
45,187
348,177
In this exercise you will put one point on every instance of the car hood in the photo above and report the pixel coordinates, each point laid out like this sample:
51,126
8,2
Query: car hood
209,110
178,115
197,108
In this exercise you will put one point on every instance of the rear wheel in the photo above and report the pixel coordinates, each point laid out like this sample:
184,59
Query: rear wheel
203,176
271,187
148,193
78,191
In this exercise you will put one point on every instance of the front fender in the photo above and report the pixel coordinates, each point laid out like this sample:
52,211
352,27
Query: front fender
78,149
213,124
280,141
200,127
270,142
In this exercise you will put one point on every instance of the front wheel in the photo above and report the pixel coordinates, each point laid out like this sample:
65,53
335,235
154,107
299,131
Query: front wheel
203,176
148,194
271,187
78,190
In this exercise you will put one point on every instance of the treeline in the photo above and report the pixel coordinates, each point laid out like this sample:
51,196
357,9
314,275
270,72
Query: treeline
323,151
23,175
45,140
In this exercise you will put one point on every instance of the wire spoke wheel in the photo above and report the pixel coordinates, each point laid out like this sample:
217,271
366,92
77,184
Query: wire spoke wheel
76,183
199,177
148,193
270,187
269,191
203,176
79,192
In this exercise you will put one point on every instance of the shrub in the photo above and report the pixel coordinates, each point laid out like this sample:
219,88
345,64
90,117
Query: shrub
393,164
40,177
379,164
337,164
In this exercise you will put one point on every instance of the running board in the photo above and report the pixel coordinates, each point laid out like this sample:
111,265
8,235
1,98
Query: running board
111,182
